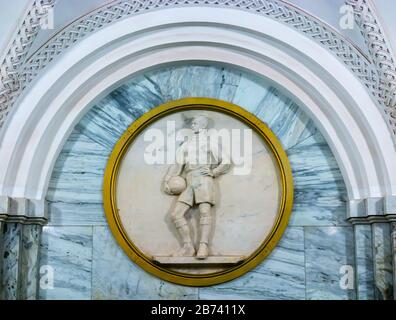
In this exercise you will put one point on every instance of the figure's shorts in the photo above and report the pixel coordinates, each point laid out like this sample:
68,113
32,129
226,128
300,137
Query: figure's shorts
199,189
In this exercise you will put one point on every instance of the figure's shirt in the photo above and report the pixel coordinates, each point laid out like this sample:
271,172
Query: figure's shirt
199,152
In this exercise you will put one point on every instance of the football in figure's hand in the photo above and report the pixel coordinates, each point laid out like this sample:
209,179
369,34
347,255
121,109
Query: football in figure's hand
176,185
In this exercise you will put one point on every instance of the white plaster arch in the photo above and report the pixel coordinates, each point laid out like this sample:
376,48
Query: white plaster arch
339,104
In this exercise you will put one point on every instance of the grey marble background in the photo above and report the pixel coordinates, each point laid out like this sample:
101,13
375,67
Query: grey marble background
19,260
88,263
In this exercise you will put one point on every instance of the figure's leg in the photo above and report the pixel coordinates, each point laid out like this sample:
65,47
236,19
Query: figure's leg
205,224
183,229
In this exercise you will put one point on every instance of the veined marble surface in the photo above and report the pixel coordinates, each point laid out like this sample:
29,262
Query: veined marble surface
364,262
67,251
19,263
115,277
31,236
1,257
327,250
382,261
393,235
317,230
11,259
280,276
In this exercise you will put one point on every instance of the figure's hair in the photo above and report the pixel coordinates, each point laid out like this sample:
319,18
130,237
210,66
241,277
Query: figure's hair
204,120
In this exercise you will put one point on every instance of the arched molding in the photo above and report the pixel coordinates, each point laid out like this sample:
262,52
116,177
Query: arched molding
328,91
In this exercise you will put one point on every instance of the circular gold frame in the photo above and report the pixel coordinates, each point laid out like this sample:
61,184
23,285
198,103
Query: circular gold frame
111,174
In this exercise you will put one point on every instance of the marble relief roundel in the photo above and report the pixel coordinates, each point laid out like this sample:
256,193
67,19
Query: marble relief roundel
198,191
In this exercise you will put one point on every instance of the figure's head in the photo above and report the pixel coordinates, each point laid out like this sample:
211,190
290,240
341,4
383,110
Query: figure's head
199,123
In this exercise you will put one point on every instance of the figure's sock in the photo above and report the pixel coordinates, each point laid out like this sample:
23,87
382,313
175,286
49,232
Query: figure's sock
187,249
183,230
205,224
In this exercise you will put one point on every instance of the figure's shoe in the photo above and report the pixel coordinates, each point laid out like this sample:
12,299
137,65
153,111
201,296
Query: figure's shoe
203,251
187,250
